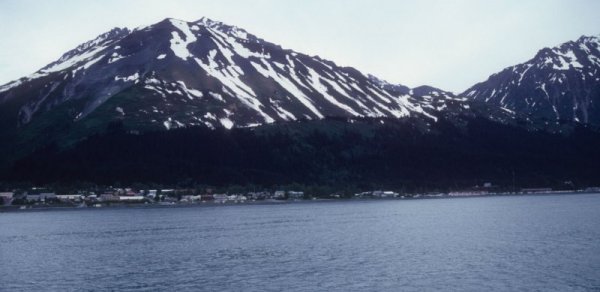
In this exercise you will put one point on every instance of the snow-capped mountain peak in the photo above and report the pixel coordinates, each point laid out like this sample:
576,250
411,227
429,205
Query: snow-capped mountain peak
559,84
206,73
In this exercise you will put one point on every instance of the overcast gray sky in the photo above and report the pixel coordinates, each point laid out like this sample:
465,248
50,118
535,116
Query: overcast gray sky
450,44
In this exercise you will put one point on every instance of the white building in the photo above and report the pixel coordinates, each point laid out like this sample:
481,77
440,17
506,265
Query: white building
69,197
131,198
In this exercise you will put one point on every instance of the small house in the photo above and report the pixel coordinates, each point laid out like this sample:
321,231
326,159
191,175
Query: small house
220,198
292,195
279,195
6,197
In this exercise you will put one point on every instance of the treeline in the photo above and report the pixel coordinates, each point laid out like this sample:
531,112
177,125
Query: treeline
331,153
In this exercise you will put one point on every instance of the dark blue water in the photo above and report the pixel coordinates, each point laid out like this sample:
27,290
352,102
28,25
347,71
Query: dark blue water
544,243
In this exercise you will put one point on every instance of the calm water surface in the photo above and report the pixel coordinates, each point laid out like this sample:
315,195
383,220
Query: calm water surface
523,243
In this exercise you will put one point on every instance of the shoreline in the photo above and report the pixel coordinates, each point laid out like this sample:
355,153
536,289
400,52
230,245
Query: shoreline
43,208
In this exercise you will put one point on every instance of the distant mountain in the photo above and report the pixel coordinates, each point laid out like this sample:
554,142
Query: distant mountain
559,85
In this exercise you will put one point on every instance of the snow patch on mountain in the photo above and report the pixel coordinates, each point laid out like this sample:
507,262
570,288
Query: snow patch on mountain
315,81
179,45
190,92
226,122
115,57
135,77
288,85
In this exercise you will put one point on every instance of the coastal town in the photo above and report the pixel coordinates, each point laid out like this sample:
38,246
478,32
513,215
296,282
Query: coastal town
40,197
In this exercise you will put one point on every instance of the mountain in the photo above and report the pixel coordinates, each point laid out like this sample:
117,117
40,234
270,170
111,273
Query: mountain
175,74
559,85
212,103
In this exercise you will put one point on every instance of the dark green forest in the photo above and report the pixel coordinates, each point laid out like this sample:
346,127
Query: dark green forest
366,154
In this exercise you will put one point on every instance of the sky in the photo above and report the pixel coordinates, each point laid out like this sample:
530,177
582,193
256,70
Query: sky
449,44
